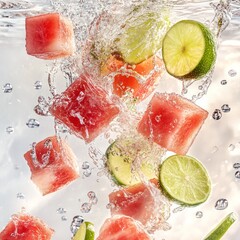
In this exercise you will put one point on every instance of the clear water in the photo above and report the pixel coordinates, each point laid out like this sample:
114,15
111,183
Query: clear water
28,84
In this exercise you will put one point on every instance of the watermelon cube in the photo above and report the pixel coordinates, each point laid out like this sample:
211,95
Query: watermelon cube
172,122
122,228
49,36
52,164
137,201
84,108
25,227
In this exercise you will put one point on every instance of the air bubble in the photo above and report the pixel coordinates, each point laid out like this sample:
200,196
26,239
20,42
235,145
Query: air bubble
217,114
85,165
7,88
232,73
221,204
236,165
91,194
33,123
20,196
9,130
86,207
224,82
225,108
237,174
92,197
61,210
37,85
231,147
199,214
87,173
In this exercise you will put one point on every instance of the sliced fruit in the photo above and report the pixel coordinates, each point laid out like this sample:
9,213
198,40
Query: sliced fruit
185,179
49,36
121,165
23,226
139,80
85,232
142,36
122,228
85,108
172,121
52,163
221,228
188,50
137,201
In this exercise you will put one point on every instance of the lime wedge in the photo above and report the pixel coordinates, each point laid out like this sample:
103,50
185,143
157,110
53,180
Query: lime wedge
85,232
142,36
121,166
188,50
185,179
221,228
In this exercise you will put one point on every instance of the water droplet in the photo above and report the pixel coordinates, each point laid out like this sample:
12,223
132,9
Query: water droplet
20,196
217,114
232,73
87,173
7,88
86,207
236,165
9,130
221,204
224,82
215,149
225,108
61,210
33,123
37,85
76,222
237,174
231,147
64,218
85,165
199,214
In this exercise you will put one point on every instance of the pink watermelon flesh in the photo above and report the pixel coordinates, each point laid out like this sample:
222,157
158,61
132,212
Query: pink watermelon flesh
136,201
49,36
122,228
172,121
84,108
26,227
52,164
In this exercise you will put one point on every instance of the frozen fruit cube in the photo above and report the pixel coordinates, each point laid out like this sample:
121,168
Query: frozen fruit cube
172,121
25,227
84,108
52,164
49,36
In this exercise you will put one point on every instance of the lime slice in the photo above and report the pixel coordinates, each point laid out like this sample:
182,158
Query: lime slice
121,166
188,50
185,179
142,36
85,232
221,228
